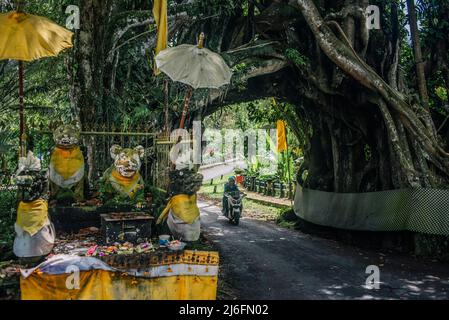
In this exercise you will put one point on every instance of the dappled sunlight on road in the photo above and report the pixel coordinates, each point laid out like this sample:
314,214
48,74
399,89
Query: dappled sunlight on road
398,289
265,261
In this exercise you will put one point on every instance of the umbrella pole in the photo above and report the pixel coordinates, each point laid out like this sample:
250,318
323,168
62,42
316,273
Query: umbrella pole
167,126
21,111
186,106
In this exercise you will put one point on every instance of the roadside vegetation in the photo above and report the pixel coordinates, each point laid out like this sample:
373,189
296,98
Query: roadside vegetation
251,209
7,219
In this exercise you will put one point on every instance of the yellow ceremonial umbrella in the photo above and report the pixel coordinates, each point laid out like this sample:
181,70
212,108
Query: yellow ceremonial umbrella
26,37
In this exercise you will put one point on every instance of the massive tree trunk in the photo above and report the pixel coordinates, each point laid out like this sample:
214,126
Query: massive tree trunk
420,71
366,132
412,142
88,83
97,52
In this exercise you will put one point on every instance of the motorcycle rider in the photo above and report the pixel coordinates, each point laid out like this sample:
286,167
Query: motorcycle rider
230,186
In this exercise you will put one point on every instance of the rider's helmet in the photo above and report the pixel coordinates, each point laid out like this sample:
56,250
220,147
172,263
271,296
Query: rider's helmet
231,179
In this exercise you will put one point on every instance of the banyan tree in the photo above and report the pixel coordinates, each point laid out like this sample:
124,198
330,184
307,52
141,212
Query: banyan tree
357,94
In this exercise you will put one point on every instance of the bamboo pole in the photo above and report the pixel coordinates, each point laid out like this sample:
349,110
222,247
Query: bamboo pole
190,89
21,112
186,107
106,133
166,125
22,138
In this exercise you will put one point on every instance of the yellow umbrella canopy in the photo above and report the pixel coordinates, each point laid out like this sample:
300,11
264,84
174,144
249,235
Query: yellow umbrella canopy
27,37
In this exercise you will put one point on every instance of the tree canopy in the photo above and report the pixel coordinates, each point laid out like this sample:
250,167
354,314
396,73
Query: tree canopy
354,95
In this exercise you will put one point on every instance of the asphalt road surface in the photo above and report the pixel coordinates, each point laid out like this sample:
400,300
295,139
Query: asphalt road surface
221,169
263,261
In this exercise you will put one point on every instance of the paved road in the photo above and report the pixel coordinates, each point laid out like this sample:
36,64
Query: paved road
223,169
263,261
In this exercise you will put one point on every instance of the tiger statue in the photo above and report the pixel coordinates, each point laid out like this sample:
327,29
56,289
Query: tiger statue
122,182
67,169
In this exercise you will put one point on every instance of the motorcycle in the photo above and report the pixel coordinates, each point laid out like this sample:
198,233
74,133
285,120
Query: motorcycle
235,207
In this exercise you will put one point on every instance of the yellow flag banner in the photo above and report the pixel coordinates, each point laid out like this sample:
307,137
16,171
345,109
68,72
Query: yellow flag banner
160,16
281,136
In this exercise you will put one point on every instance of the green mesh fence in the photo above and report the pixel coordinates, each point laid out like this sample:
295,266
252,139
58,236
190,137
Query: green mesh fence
418,210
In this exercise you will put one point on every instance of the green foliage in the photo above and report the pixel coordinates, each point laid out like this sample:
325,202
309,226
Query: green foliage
287,218
368,152
253,166
286,166
238,71
4,142
296,57
8,204
261,166
213,189
268,177
214,7
434,28
257,115
442,94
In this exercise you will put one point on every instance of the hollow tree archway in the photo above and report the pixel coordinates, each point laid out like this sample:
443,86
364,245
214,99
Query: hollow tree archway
368,130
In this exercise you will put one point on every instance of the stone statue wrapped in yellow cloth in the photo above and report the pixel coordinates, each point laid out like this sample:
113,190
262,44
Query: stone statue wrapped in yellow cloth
67,165
35,234
183,217
122,182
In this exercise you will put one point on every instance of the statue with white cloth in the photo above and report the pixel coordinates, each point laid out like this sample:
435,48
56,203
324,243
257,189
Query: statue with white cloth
35,234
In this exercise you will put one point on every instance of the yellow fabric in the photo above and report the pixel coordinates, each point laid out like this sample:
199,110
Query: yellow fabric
183,206
28,37
32,216
160,16
67,162
128,186
107,285
281,136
